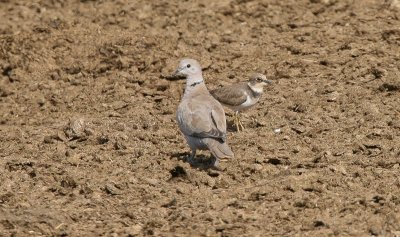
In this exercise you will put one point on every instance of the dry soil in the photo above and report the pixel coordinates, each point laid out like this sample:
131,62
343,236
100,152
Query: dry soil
89,145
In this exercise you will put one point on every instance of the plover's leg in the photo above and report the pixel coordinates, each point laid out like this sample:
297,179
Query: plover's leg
240,122
236,120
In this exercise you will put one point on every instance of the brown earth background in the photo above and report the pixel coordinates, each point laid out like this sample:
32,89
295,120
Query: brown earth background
89,145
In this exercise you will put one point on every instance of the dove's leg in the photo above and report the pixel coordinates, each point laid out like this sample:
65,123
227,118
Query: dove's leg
191,159
215,162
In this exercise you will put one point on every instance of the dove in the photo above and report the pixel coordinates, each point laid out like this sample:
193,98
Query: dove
201,118
241,96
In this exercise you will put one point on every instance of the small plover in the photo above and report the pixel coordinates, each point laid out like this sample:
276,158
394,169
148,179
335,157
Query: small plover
241,96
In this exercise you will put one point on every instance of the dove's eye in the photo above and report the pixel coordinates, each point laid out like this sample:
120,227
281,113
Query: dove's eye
188,66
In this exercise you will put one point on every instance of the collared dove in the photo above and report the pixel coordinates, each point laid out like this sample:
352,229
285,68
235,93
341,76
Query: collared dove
201,118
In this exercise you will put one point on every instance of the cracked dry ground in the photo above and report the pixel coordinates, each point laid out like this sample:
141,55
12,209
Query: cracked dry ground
89,145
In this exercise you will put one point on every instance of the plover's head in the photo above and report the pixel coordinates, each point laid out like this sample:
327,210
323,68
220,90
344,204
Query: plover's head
188,68
258,81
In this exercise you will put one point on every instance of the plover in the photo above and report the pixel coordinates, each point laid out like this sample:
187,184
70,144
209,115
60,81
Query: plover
241,96
201,118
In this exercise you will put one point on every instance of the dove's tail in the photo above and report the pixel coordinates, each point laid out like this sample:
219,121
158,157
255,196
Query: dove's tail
220,150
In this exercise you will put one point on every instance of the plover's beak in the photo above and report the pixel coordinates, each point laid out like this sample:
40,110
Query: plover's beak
267,81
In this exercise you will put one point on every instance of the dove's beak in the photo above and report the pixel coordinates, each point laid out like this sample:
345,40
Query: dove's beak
177,72
177,75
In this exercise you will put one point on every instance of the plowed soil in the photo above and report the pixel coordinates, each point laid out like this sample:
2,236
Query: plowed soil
89,145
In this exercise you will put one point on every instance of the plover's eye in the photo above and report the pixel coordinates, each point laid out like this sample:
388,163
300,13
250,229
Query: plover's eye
188,66
258,79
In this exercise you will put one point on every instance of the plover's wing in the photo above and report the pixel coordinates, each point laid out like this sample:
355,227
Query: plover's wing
233,95
202,117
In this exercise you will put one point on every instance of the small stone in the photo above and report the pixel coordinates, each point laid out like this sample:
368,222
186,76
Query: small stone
133,180
119,145
55,76
259,160
299,129
134,230
75,128
114,114
61,136
296,149
110,188
102,139
286,138
257,167
327,153
77,125
332,99
180,190
152,182
48,140
73,159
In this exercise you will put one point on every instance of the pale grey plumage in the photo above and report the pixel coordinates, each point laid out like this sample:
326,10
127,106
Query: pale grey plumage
200,117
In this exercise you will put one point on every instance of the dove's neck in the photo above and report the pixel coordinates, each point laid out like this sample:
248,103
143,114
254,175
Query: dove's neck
195,83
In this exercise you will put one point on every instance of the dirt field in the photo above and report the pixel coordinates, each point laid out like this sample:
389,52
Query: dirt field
89,145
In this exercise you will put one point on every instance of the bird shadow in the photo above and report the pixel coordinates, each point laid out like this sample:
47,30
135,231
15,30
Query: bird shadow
230,126
201,161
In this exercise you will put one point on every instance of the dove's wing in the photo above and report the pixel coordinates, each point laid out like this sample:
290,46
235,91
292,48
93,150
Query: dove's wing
202,117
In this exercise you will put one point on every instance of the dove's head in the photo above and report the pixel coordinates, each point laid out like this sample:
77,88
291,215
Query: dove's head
257,82
188,68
